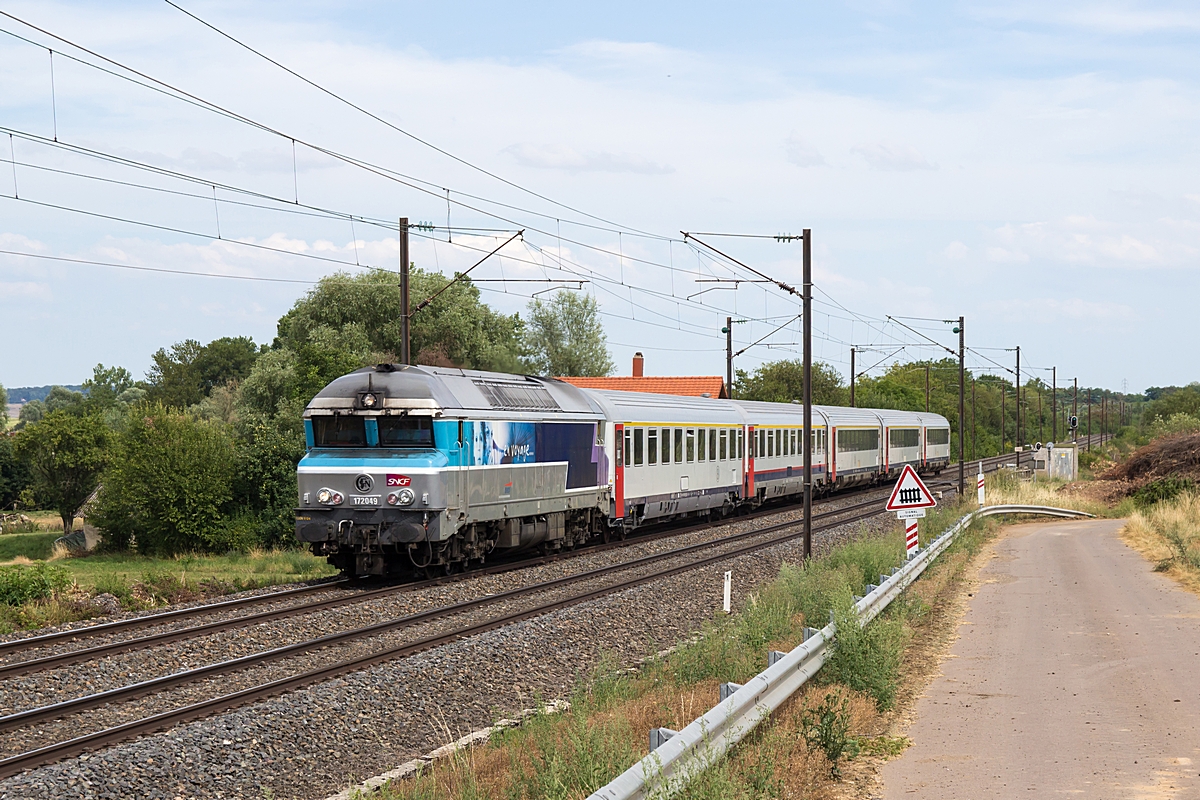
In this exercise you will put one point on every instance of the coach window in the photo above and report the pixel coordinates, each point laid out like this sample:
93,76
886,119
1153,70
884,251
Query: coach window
691,445
628,445
724,443
666,445
652,446
740,442
712,445
678,441
639,446
701,433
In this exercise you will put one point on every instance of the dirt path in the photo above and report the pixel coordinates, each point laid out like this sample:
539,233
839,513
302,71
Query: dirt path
1076,672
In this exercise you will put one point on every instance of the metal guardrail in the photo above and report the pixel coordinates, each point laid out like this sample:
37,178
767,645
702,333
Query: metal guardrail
684,755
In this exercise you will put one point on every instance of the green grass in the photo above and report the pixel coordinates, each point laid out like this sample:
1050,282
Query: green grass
234,570
34,546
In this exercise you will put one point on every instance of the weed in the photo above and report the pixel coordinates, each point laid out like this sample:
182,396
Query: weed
1167,488
22,583
826,727
883,746
867,659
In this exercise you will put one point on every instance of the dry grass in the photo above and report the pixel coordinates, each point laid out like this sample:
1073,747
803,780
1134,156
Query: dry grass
1168,534
1005,488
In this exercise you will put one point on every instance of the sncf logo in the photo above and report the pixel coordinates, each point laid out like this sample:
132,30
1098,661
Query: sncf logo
398,480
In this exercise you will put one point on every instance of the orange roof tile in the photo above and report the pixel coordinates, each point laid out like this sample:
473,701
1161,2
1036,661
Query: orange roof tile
684,386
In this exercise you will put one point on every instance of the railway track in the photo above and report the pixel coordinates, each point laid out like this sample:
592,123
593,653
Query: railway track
691,556
694,555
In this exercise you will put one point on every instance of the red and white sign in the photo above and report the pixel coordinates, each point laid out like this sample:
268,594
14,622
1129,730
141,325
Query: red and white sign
399,480
910,492
910,537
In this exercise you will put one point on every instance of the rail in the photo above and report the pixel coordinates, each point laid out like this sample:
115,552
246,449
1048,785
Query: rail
683,756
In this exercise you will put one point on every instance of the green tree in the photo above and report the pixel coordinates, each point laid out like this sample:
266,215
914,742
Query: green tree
456,329
3,409
188,372
14,473
61,398
30,413
783,382
170,485
563,336
106,385
66,454
264,485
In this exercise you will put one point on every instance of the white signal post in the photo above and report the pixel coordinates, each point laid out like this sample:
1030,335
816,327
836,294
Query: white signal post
979,483
909,500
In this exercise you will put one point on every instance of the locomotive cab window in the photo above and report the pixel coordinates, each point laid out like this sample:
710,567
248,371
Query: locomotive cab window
406,432
339,431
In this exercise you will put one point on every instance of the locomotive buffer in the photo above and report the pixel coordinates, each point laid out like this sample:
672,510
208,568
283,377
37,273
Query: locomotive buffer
909,500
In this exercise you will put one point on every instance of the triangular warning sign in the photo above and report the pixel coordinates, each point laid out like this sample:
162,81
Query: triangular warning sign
910,492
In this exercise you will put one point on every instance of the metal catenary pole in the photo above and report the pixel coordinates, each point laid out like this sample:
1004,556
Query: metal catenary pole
807,393
1054,401
1089,433
405,315
1003,415
1018,440
962,417
974,427
926,388
852,405
729,355
1075,409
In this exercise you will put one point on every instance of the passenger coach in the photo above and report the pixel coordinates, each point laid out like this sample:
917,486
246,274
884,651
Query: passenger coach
429,468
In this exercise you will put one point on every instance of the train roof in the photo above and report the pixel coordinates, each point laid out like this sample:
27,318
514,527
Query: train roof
422,389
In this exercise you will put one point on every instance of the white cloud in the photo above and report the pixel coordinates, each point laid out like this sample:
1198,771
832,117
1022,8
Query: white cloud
956,251
892,157
25,290
1085,239
563,157
803,154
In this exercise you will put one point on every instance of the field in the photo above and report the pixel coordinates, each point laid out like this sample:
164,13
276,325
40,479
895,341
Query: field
137,582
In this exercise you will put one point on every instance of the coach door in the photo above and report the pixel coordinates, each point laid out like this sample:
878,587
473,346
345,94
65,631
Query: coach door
619,480
750,445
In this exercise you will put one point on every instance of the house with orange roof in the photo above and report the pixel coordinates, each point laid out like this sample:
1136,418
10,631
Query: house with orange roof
681,385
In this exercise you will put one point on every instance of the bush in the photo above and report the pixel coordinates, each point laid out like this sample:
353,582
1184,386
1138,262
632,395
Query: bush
827,727
22,583
264,485
867,659
170,485
1167,488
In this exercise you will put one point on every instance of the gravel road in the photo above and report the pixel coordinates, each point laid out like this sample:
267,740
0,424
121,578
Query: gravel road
314,742
1074,673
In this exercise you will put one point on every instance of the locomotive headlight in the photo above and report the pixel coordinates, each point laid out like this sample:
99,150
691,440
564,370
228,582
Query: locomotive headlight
368,400
328,497
406,497
393,499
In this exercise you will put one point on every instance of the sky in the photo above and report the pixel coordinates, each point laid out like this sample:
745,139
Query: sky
1031,167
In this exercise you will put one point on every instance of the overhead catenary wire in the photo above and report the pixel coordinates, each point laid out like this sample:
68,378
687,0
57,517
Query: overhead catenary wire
400,130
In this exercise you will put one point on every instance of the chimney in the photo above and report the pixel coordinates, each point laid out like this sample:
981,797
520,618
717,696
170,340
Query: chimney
638,361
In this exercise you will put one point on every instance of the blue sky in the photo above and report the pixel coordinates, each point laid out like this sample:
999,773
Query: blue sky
1032,168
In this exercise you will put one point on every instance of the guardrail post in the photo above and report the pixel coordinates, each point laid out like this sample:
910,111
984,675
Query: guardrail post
773,656
808,633
659,737
871,587
726,689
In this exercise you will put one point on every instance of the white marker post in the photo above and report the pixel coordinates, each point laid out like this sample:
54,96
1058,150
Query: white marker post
728,591
909,500
979,483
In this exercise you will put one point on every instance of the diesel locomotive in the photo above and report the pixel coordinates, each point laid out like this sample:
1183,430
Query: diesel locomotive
430,469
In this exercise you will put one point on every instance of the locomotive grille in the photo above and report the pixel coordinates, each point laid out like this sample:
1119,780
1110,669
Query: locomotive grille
517,397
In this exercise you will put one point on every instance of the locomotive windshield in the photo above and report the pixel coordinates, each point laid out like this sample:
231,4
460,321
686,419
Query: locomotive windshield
405,432
339,431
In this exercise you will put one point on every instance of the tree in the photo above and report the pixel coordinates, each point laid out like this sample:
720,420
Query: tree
170,485
457,329
3,409
66,454
783,382
106,385
563,336
188,372
14,473
30,413
63,399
